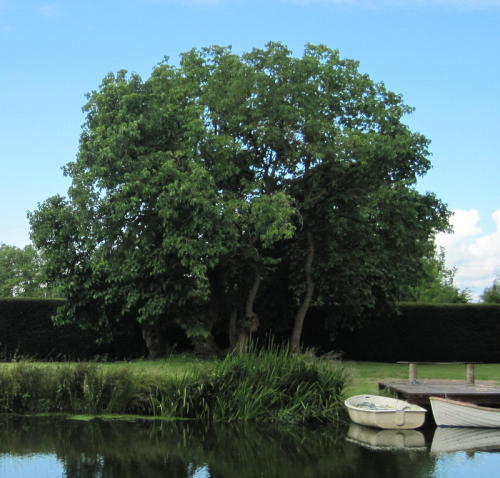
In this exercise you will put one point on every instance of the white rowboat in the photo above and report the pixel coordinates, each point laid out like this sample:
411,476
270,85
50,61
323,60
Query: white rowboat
384,412
450,413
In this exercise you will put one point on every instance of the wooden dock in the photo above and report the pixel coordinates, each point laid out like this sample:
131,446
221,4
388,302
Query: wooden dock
481,393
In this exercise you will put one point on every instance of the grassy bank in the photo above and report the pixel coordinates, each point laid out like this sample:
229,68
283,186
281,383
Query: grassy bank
271,385
263,386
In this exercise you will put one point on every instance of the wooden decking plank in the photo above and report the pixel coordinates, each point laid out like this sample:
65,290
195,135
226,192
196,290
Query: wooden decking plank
481,393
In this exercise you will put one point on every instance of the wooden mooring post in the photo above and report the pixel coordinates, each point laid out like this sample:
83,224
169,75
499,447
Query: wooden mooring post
470,378
470,374
413,372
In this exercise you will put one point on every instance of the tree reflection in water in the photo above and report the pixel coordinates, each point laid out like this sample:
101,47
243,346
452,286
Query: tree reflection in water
179,449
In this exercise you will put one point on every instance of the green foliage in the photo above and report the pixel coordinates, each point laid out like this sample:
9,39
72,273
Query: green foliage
368,248
21,273
196,186
437,286
491,295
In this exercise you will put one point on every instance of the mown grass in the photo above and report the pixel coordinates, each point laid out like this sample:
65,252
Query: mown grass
260,385
365,376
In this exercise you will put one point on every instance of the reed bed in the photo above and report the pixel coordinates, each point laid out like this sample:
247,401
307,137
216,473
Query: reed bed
29,387
259,385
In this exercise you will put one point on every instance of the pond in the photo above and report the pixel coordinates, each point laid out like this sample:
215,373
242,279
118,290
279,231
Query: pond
47,447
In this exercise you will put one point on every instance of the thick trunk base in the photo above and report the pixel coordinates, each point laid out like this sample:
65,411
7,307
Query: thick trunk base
205,345
244,329
155,340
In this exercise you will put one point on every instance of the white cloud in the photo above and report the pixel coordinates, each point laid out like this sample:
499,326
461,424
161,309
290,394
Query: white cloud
476,256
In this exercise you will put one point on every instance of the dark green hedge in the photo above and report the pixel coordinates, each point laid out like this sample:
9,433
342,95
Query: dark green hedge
433,333
26,329
427,333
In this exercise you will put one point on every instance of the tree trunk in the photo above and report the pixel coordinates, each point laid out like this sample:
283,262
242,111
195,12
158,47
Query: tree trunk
250,323
253,291
232,328
205,345
155,340
244,329
304,306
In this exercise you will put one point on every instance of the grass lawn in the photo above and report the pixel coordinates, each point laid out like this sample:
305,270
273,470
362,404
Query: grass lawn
365,376
177,365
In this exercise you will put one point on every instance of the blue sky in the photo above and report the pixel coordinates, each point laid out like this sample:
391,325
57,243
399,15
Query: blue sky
443,56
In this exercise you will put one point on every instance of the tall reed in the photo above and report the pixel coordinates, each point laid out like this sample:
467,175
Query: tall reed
262,384
27,387
269,384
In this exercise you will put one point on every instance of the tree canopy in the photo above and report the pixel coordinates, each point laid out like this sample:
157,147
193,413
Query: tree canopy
199,193
491,295
21,273
437,285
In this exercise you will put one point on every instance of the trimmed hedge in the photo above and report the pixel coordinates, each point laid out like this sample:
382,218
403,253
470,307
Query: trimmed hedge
427,333
26,329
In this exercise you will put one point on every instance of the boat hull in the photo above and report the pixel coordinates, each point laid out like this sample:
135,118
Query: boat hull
450,413
384,412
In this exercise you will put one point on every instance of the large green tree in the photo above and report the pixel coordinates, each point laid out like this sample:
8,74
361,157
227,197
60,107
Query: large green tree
318,131
195,187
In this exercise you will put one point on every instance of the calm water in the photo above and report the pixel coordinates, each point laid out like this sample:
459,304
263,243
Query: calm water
50,448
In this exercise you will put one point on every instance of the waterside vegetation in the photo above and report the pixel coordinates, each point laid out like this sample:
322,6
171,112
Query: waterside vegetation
262,386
